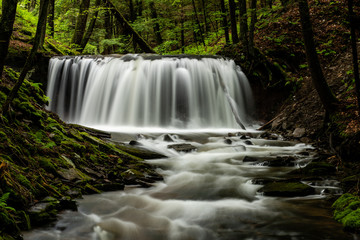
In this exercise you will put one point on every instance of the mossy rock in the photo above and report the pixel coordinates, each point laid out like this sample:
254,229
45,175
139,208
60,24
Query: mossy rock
347,211
43,216
286,189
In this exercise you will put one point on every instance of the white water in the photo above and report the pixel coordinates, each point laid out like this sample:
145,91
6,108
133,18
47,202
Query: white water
168,92
205,194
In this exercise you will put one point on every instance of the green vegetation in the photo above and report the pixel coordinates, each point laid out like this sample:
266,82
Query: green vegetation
347,211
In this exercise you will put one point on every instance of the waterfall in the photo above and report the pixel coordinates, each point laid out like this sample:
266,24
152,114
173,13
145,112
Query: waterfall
142,91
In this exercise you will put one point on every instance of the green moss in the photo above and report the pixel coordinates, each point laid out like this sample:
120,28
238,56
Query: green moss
347,211
73,145
47,164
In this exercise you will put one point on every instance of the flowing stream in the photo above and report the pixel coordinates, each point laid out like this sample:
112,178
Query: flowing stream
206,194
210,193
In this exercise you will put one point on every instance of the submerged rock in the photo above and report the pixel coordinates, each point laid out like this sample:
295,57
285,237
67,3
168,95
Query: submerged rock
286,189
182,147
280,161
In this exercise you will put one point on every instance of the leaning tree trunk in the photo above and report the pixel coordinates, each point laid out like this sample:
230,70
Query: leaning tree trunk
234,34
354,51
81,20
198,22
90,27
128,28
224,21
6,28
326,96
30,59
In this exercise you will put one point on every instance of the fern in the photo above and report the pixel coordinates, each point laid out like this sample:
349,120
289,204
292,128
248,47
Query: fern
3,204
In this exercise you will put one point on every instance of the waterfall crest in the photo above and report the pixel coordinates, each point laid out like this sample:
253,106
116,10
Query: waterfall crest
141,92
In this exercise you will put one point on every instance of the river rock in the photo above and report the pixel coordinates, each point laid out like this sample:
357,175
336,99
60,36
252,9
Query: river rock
279,161
134,143
299,132
69,174
282,162
286,189
44,211
168,138
182,147
110,186
228,141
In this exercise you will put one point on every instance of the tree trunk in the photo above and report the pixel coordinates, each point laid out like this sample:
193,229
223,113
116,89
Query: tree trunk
91,26
354,50
6,29
128,28
234,34
43,30
182,34
51,16
252,27
156,25
30,59
243,24
108,31
139,6
198,23
81,20
207,28
132,11
224,21
326,96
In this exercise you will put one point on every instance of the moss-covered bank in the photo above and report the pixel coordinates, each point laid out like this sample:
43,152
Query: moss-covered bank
44,163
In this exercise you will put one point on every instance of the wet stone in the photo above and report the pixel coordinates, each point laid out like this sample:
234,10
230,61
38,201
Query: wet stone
134,143
168,138
182,147
228,141
286,189
282,162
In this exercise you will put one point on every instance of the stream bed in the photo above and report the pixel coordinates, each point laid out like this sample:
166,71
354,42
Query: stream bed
209,193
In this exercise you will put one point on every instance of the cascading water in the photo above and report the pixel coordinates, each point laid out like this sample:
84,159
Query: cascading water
144,92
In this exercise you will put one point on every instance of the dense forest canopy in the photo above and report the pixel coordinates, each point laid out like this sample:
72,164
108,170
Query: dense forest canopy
167,25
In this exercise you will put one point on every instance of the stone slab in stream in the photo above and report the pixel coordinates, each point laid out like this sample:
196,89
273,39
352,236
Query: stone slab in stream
182,147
